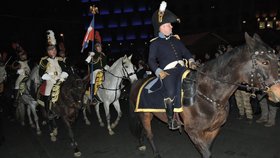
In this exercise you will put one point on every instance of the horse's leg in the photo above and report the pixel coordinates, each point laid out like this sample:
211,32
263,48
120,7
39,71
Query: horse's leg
203,140
85,107
52,128
98,115
29,116
85,115
146,119
118,109
74,144
21,112
108,117
36,119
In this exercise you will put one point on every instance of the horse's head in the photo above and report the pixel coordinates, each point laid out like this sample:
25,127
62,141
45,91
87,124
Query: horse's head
262,66
75,87
128,69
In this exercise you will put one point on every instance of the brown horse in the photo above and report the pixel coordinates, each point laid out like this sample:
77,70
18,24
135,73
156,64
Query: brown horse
67,107
254,63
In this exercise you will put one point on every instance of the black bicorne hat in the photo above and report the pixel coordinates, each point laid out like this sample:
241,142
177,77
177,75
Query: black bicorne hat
162,16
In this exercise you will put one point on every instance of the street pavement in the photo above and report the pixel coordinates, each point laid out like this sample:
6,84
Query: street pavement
237,139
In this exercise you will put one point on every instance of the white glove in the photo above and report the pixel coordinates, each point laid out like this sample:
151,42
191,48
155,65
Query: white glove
64,75
46,77
20,71
88,59
106,67
91,53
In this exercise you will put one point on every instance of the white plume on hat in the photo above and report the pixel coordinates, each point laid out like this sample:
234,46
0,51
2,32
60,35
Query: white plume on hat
162,6
51,37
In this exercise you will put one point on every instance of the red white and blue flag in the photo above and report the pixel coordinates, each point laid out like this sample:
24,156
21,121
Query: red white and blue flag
89,35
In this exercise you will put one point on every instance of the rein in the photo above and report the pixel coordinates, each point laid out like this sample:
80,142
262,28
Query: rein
264,87
125,76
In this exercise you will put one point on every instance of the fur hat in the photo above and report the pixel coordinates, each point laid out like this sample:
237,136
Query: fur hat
162,16
51,41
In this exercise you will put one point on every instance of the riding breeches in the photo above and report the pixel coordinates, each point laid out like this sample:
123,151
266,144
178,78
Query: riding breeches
172,82
49,86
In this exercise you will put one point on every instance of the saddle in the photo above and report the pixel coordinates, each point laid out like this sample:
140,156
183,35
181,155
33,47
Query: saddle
153,102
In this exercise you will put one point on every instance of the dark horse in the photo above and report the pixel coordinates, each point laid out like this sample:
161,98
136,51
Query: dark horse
254,63
67,107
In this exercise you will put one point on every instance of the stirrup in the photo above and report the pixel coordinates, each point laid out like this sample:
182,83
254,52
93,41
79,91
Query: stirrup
173,125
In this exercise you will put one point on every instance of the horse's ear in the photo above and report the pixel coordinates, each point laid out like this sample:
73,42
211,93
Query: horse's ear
249,40
125,56
257,37
130,57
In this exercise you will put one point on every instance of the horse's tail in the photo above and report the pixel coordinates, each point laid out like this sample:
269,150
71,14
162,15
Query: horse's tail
135,124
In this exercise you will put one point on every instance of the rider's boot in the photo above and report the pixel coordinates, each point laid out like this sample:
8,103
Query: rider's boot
169,107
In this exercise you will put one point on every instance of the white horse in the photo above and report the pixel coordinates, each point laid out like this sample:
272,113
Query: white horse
110,90
26,97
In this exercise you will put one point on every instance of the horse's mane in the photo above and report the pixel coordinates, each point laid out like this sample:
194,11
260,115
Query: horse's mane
221,65
115,63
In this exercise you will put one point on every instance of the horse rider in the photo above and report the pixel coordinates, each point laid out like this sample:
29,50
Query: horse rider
65,59
23,70
99,62
51,71
166,58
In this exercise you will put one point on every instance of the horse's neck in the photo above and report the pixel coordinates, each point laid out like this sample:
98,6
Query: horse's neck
220,78
113,78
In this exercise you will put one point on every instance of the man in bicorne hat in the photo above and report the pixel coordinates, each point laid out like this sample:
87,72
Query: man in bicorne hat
99,61
167,58
51,71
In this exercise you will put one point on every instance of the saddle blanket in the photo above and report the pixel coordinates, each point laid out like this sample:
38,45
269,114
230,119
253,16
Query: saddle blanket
153,102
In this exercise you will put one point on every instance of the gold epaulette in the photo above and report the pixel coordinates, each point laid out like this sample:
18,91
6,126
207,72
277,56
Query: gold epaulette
177,36
59,58
153,39
42,63
45,57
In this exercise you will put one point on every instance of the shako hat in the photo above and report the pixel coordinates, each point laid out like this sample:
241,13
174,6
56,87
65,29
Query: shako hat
51,41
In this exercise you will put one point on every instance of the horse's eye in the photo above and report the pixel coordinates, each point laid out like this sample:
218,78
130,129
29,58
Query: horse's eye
265,62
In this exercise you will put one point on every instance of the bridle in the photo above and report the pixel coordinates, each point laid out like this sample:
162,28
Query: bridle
125,75
254,74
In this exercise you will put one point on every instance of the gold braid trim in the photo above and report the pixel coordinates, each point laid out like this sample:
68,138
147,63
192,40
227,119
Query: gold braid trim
55,92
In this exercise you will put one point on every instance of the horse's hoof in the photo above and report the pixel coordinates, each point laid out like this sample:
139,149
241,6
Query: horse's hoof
111,133
39,132
157,156
44,123
53,138
55,131
269,124
88,123
114,125
142,148
102,124
32,126
77,154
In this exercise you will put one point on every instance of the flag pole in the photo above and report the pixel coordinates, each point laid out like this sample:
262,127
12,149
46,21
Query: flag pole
93,10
